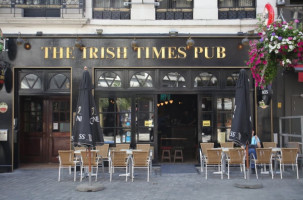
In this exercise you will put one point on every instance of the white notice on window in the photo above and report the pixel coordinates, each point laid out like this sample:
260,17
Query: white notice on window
55,126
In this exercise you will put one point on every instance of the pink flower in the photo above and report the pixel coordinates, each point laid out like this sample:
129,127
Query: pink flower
297,21
289,38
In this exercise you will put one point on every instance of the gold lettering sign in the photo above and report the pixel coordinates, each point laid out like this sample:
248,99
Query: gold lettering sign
171,53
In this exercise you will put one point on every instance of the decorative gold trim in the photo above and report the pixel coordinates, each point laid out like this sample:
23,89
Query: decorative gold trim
37,6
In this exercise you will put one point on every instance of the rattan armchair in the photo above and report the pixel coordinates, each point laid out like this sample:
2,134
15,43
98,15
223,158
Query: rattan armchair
203,153
119,159
289,156
103,154
89,161
66,160
227,144
141,159
236,157
264,157
214,158
269,144
122,146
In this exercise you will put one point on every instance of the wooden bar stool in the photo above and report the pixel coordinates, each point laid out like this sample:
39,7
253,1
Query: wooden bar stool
178,155
166,153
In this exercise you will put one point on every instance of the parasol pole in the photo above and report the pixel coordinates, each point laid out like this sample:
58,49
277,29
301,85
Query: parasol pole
247,162
89,166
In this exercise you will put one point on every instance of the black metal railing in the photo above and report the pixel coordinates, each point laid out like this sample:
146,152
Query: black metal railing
236,13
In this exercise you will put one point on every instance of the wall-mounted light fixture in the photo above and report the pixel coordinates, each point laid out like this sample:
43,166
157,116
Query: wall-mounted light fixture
99,31
19,40
189,43
39,33
134,44
79,44
245,41
27,45
173,33
240,46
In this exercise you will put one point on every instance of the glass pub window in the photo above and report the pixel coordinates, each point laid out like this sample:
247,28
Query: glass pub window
141,79
236,9
231,80
205,79
31,81
32,115
144,119
115,119
174,9
174,80
61,116
109,79
59,81
225,109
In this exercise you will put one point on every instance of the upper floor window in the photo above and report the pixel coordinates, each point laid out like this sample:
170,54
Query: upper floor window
45,8
110,9
174,9
236,9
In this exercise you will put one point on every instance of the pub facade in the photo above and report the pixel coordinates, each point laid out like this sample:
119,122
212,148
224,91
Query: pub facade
165,77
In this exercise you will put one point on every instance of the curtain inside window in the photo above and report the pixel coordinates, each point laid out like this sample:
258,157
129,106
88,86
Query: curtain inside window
246,3
109,3
226,3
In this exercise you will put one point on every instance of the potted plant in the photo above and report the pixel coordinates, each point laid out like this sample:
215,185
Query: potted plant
280,46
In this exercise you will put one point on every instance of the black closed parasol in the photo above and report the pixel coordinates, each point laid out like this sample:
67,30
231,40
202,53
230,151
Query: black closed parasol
87,131
241,126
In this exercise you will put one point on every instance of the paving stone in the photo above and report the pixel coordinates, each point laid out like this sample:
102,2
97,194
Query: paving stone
37,184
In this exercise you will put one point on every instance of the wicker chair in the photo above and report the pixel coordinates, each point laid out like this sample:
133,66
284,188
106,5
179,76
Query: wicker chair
264,157
119,159
269,144
122,146
141,159
289,156
86,162
236,157
203,152
66,160
143,147
227,144
214,158
103,154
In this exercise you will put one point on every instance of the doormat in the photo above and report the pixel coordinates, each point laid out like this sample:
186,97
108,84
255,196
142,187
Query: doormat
178,168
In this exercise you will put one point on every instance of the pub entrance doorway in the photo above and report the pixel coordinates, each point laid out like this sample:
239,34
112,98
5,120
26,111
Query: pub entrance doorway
177,124
44,128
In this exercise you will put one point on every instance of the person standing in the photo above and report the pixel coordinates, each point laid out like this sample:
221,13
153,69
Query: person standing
255,143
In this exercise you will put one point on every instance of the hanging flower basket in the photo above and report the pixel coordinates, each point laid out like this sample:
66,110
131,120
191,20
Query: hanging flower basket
280,46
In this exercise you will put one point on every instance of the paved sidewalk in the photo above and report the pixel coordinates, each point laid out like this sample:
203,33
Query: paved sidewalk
41,184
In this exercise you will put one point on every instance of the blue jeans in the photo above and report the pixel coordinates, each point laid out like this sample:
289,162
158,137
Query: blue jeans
252,151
